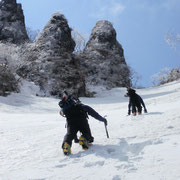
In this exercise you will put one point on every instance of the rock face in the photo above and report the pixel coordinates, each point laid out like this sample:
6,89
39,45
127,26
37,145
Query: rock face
103,58
56,36
50,63
54,75
12,26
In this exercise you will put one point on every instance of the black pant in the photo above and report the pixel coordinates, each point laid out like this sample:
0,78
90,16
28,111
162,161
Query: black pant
72,129
139,108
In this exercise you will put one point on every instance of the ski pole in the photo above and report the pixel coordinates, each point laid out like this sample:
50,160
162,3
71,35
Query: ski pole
106,129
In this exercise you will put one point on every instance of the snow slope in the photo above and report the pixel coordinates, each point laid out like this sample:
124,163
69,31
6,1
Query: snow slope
143,147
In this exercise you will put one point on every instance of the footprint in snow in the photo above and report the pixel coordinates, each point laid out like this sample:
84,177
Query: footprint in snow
110,150
97,163
170,127
38,179
116,177
60,166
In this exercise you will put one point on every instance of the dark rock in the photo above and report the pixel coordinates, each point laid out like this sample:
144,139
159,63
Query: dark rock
56,36
54,75
12,25
103,58
49,61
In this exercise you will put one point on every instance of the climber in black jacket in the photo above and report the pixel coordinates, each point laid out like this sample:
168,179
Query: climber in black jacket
135,102
76,115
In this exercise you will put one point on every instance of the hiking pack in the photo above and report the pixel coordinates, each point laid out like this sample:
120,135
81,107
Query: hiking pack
76,115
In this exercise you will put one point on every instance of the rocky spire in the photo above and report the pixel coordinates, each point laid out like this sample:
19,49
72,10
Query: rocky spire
12,25
56,36
103,38
50,62
103,58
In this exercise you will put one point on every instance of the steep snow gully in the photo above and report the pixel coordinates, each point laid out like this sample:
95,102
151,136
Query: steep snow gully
143,147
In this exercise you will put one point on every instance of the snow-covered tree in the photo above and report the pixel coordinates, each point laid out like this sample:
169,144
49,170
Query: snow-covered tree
172,38
12,55
134,77
8,80
166,75
32,34
80,40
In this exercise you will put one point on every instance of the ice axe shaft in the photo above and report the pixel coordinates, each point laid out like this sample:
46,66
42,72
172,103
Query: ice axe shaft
106,129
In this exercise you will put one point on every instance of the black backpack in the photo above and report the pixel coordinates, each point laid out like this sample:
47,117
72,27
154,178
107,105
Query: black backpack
73,109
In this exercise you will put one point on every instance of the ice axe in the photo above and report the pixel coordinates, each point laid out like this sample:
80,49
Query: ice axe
106,128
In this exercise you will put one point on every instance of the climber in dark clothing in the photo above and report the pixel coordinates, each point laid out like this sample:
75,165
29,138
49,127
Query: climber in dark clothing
76,116
135,102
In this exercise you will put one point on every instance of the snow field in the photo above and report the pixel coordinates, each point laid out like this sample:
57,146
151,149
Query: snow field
140,147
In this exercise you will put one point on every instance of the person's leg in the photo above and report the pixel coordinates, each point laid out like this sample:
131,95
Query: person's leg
67,142
134,110
139,109
86,131
70,135
76,140
86,136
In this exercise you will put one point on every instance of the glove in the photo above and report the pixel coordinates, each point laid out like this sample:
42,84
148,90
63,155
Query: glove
145,110
61,113
105,121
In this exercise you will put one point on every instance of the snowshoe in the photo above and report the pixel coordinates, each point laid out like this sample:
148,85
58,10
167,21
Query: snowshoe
83,142
66,149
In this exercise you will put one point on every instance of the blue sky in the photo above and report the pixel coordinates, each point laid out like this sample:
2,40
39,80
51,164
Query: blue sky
141,27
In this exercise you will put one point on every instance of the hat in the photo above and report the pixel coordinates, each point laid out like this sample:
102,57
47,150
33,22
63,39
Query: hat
130,91
65,95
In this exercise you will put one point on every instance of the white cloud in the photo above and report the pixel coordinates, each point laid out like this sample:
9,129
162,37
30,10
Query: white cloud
116,9
111,10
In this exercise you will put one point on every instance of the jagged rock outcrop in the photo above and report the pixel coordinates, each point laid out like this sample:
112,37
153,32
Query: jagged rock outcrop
54,75
12,25
49,61
56,36
103,59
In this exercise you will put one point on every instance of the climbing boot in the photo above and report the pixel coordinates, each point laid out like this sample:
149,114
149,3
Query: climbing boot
83,142
66,149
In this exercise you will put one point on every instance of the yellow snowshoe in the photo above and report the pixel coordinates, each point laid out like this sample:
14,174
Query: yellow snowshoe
83,142
66,149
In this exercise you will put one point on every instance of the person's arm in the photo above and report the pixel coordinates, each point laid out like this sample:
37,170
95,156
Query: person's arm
93,113
61,113
142,102
129,106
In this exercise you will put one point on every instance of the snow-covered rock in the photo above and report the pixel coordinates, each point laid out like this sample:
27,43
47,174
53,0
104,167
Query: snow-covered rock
56,36
49,61
103,58
12,25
